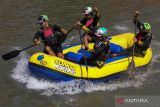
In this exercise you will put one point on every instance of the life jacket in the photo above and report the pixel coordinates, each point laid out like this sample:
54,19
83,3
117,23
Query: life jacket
139,36
145,38
105,49
49,36
48,32
89,23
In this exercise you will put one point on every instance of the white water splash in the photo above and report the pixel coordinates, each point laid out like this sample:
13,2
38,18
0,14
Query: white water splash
21,74
121,27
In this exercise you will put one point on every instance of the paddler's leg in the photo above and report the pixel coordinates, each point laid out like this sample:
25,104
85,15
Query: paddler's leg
60,55
58,50
127,51
86,39
49,50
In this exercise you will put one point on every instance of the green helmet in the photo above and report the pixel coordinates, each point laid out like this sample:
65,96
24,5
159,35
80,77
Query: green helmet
42,18
102,31
147,26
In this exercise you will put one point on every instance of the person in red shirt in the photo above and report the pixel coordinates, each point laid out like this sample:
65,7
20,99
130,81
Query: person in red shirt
89,23
51,35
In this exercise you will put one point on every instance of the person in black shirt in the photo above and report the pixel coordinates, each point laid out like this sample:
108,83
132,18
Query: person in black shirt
142,39
100,50
51,35
89,23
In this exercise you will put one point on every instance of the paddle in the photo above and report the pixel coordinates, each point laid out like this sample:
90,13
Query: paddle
84,56
131,66
15,53
62,38
85,60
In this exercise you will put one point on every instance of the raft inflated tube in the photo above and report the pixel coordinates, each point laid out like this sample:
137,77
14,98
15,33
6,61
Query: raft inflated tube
64,70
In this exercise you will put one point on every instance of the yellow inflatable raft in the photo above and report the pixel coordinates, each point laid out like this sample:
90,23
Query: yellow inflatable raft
59,69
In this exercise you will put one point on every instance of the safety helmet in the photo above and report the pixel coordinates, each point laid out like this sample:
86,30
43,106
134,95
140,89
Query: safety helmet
102,31
146,26
42,18
88,10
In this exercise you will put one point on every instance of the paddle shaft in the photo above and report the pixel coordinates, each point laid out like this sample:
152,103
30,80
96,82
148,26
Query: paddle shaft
28,47
84,56
134,42
85,60
70,30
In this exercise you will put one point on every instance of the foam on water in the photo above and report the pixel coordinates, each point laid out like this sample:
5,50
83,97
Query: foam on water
121,27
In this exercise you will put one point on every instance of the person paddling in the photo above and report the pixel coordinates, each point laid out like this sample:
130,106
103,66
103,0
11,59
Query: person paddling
144,36
101,49
50,35
89,23
142,39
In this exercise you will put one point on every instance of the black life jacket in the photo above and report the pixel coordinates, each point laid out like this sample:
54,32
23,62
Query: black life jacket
146,38
104,54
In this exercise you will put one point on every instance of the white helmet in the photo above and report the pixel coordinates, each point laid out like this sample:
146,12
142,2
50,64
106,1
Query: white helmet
88,10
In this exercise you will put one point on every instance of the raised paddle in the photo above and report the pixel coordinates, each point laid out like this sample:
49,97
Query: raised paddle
131,66
15,53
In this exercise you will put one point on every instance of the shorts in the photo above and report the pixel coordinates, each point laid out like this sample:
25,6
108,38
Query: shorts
57,48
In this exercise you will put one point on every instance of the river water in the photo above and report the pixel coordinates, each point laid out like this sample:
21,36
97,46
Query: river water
18,25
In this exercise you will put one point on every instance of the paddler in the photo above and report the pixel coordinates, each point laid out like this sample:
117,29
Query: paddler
90,22
142,39
101,49
51,35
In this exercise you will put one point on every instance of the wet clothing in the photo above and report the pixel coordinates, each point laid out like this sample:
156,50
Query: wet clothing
56,48
143,38
52,37
99,55
143,42
92,24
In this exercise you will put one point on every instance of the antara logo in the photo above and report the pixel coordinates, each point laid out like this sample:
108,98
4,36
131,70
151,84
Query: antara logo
136,100
120,100
123,100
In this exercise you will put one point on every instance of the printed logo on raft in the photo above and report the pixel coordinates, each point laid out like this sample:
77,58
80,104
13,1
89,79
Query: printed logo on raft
65,67
42,62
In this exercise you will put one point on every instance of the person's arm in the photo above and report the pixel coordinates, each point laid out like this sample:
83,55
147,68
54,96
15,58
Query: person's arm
36,38
147,41
64,31
97,13
59,29
136,21
81,24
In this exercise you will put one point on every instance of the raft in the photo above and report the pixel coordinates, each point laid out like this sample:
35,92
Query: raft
57,69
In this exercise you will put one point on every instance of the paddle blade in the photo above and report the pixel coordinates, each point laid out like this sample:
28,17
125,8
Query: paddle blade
131,70
131,66
11,55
